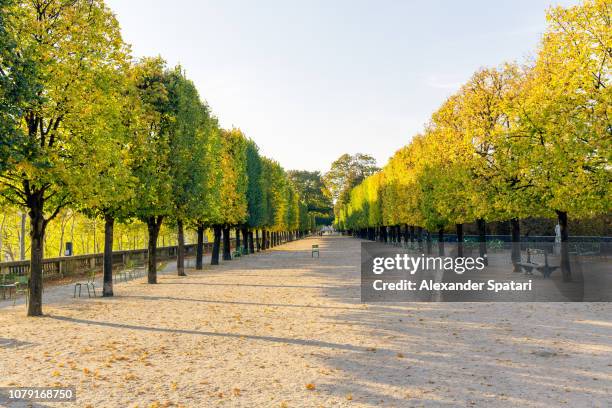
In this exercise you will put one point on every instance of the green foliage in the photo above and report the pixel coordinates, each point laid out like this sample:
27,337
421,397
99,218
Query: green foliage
312,190
256,192
68,52
18,86
151,143
513,142
345,173
314,196
188,139
234,182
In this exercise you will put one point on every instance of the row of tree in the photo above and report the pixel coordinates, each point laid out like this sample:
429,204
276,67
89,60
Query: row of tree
85,127
515,141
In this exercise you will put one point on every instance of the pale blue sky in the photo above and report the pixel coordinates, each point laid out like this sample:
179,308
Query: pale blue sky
310,80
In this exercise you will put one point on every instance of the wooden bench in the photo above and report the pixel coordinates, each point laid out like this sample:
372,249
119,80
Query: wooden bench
529,265
315,249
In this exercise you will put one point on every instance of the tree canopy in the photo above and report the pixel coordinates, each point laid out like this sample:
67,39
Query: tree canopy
514,141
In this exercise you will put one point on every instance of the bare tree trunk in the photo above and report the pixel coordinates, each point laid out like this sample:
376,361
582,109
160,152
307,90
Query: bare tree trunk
214,259
245,240
37,237
72,234
227,254
459,228
516,243
22,247
95,241
63,223
251,243
441,242
1,236
257,242
565,261
419,237
200,248
107,286
238,243
482,239
180,256
153,226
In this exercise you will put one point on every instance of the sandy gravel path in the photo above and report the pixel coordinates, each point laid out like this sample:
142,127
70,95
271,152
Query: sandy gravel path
280,329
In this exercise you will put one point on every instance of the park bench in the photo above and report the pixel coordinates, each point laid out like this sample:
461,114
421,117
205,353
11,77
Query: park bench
315,249
529,264
91,283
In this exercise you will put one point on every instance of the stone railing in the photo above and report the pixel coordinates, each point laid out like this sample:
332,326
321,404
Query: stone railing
78,264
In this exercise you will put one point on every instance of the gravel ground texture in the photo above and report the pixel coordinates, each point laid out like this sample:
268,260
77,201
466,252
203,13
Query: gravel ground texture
283,329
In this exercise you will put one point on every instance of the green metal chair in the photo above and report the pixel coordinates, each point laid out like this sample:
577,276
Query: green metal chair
21,287
7,283
315,249
90,284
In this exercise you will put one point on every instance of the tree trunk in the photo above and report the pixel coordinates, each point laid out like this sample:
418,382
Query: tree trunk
227,253
1,235
107,280
565,261
516,243
412,233
200,248
214,259
95,240
238,241
482,239
22,247
459,228
37,236
257,240
245,240
420,237
441,242
153,226
429,244
251,243
180,255
264,242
